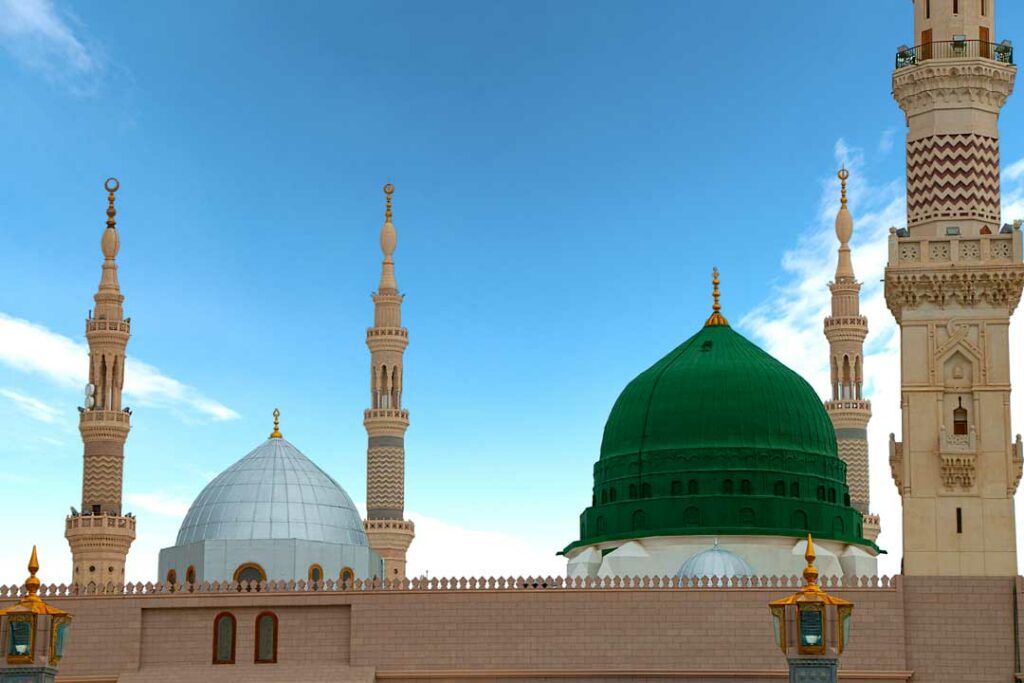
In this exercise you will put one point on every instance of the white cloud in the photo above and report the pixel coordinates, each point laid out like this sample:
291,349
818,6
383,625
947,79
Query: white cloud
38,36
159,504
789,325
33,407
31,348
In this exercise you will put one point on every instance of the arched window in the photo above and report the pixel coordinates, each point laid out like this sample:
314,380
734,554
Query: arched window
224,638
821,493
316,574
727,487
691,517
645,490
838,528
266,638
639,520
612,495
960,418
692,487
632,491
794,489
172,578
798,520
250,571
846,499
780,488
347,577
677,488
190,575
600,525
831,495
604,496
747,517
746,488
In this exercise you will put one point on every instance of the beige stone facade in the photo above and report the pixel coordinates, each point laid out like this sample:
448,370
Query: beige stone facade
953,280
386,420
921,629
100,535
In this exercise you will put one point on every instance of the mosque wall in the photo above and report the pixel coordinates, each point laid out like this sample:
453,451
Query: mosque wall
930,629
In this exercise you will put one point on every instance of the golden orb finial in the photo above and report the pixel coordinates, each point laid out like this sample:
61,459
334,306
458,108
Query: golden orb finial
388,190
843,176
716,319
276,434
111,185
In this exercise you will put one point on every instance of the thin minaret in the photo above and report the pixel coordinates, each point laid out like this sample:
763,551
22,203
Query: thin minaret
386,420
953,280
845,330
100,535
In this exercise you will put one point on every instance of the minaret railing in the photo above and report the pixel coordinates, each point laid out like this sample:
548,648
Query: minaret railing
955,49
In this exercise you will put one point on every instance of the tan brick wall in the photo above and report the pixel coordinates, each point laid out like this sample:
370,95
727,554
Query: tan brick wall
958,630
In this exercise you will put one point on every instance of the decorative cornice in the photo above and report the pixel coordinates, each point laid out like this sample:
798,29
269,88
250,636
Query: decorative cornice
999,287
980,83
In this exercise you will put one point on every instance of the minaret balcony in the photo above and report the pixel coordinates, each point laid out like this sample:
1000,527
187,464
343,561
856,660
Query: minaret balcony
955,49
932,251
848,404
126,523
387,332
97,325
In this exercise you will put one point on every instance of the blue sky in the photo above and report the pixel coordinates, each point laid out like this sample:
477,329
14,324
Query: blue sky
567,174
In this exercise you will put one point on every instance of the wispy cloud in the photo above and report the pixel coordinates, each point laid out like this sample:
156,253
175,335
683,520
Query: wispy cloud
159,504
32,348
33,407
788,325
39,36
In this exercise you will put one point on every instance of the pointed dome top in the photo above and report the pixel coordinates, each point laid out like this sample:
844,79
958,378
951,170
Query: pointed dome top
844,231
274,492
388,242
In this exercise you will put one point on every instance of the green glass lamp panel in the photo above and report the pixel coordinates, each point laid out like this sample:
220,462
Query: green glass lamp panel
60,638
19,641
811,628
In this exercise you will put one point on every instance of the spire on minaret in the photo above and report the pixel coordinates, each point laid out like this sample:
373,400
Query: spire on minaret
99,549
844,231
846,330
388,241
716,319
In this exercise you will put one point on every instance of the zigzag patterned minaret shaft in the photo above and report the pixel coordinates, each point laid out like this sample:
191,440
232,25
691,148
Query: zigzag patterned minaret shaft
846,330
386,420
100,535
953,280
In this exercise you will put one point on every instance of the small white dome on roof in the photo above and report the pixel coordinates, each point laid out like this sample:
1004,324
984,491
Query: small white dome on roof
715,561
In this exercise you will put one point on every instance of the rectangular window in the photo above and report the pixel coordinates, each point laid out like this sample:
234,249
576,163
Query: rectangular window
927,9
984,7
956,6
959,521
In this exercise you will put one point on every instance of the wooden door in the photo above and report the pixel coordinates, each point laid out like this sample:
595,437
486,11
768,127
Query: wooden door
926,44
984,44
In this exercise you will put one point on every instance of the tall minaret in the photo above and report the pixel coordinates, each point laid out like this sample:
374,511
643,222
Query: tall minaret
845,330
386,421
100,536
953,279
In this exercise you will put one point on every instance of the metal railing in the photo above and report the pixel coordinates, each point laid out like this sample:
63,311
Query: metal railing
955,49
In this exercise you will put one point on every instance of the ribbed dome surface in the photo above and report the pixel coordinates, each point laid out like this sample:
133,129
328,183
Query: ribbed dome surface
715,561
718,390
274,492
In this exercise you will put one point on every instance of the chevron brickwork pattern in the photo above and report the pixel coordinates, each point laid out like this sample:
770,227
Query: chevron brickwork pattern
953,177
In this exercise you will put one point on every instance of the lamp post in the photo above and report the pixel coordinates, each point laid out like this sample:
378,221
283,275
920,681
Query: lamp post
33,634
812,628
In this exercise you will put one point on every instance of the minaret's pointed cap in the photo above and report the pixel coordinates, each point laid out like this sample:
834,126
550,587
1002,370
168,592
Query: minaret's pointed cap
716,319
388,241
844,230
111,243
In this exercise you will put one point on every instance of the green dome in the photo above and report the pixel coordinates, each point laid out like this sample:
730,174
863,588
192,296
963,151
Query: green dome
718,437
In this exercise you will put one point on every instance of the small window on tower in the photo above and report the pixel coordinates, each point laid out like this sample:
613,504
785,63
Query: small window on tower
984,7
956,6
677,488
960,418
927,9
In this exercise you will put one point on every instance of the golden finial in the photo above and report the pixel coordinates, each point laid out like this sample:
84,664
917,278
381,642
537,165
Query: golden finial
111,185
716,319
32,583
843,175
276,434
388,189
810,571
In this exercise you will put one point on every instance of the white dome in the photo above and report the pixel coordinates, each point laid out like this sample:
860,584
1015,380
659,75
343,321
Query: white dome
715,561
274,492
